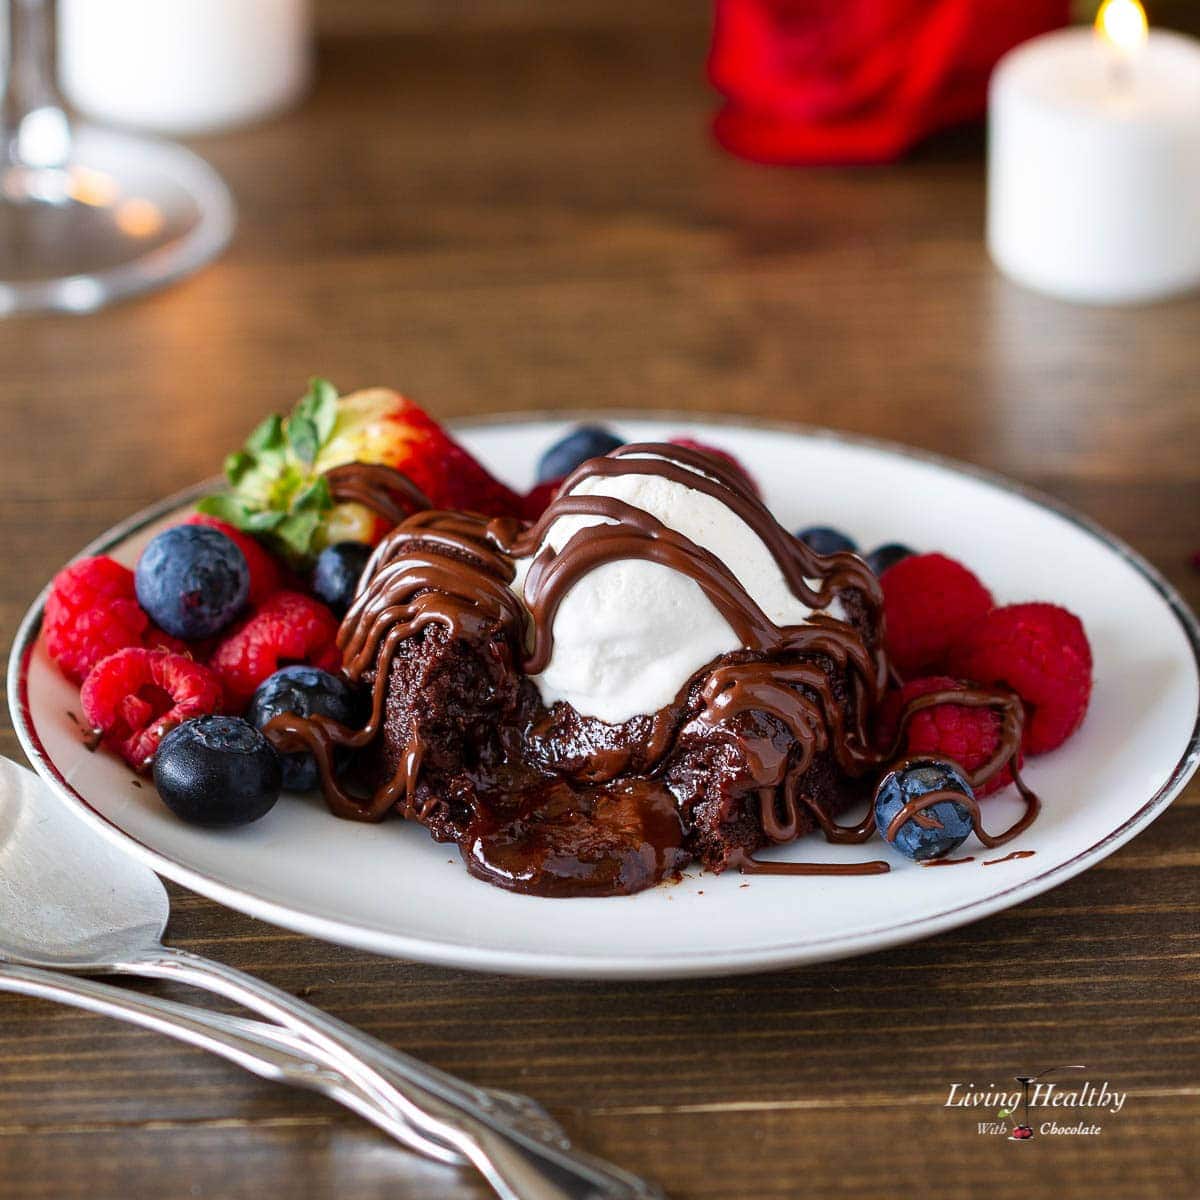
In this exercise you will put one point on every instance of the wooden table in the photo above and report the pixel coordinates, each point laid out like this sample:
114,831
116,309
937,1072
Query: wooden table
525,219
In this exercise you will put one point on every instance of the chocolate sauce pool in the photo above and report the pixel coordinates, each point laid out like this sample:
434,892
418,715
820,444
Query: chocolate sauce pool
534,832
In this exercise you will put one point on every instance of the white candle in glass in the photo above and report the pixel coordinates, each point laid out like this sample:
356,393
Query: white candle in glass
1094,161
183,66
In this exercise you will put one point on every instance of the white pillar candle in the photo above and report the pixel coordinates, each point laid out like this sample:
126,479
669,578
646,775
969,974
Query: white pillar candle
183,66
1094,166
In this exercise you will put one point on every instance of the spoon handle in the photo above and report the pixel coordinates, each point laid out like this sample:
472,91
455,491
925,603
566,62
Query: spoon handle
265,1050
518,1148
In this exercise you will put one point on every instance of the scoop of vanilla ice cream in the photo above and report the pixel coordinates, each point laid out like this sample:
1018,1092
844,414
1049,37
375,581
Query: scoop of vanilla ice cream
629,634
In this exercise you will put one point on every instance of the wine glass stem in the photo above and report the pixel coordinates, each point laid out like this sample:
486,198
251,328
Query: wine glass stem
36,133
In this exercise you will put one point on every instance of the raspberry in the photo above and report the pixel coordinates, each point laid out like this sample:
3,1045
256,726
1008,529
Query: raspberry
136,696
92,612
723,455
286,628
929,603
1042,653
265,576
159,639
969,736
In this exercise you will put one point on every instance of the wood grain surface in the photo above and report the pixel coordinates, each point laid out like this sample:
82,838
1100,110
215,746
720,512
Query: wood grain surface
534,217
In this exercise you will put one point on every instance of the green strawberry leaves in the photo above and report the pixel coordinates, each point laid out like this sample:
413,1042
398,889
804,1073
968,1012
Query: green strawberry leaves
275,493
267,442
312,420
239,514
320,406
237,465
302,439
298,527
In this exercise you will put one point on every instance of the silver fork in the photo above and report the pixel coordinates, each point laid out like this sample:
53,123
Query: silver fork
266,1050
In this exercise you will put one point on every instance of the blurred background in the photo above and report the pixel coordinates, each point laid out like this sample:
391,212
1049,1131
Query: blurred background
513,205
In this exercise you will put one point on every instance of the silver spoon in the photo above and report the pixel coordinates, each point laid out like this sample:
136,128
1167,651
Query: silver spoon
71,902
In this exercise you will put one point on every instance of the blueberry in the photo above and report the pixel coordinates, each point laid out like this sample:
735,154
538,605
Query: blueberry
588,441
304,691
887,555
192,580
336,575
825,540
917,779
217,771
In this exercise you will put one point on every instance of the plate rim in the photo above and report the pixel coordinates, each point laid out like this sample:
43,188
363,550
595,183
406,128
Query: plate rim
680,964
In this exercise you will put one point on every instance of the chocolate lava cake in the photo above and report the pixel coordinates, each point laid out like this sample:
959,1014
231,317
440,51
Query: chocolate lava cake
653,673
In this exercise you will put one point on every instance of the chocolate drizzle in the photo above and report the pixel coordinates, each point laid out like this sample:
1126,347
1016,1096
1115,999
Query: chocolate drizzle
435,568
629,532
383,490
1009,707
1010,857
748,865
820,681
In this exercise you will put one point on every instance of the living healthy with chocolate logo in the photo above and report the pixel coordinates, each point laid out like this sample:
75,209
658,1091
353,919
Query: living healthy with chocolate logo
1013,1108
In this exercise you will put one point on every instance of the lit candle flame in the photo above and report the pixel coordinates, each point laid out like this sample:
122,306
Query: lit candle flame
1122,23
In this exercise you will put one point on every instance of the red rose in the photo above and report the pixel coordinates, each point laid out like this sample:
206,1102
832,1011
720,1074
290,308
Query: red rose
809,81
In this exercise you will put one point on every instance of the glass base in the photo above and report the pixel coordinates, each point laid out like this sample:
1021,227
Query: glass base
122,215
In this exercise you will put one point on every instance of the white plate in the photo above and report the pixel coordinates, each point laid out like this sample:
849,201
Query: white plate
390,889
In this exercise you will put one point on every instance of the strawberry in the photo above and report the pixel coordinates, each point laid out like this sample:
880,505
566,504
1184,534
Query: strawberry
279,491
379,425
539,498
